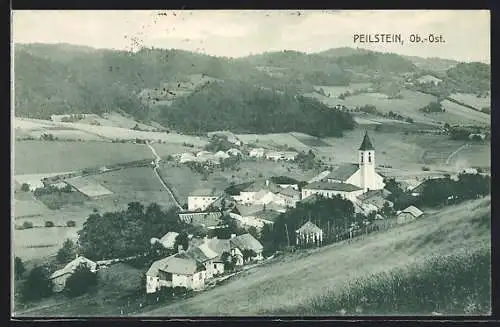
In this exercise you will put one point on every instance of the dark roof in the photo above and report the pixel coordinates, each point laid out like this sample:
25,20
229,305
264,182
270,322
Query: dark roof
367,144
290,192
246,241
270,215
343,172
343,187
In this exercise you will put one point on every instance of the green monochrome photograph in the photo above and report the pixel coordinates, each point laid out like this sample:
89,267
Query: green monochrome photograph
250,163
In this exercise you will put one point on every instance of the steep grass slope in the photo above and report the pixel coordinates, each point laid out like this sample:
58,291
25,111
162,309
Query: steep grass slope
292,282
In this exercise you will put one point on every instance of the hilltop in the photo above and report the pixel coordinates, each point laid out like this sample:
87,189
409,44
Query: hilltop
295,282
62,79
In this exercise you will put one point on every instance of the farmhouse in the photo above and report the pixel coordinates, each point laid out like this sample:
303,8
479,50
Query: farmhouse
281,155
187,157
178,270
200,199
409,214
218,246
288,197
206,256
245,242
429,79
350,180
256,193
256,152
375,198
59,277
234,152
309,233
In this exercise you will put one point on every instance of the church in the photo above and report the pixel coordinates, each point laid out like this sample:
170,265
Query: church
350,180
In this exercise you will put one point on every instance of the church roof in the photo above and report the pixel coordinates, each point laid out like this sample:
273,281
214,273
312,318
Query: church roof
343,172
367,144
342,187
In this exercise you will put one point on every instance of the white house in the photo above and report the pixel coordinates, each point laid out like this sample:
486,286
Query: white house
234,152
178,270
375,198
256,152
245,242
288,197
187,157
429,79
60,276
168,240
206,256
350,180
409,214
201,199
218,246
309,233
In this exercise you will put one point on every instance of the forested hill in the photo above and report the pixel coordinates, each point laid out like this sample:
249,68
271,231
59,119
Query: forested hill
238,107
470,77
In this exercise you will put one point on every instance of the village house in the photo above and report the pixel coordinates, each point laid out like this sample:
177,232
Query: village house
309,233
205,219
234,152
288,197
168,240
408,215
376,198
257,193
206,256
59,277
201,199
187,157
178,270
350,180
256,152
245,242
429,79
218,246
281,155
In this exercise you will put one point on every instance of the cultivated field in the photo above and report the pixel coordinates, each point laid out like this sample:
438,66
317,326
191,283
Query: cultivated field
464,115
472,100
335,91
291,282
273,140
36,157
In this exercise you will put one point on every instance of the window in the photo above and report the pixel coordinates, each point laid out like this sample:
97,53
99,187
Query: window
369,157
215,266
361,158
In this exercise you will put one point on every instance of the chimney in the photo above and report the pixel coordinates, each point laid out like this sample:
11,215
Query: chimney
233,235
180,249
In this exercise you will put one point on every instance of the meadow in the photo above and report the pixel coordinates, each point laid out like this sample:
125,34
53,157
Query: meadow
293,281
472,100
464,115
335,91
37,157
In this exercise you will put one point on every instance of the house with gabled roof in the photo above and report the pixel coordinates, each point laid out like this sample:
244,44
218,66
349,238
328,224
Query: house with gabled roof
408,215
200,199
178,270
244,242
206,256
59,277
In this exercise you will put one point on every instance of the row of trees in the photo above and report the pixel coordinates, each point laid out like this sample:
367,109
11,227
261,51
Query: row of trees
126,233
333,215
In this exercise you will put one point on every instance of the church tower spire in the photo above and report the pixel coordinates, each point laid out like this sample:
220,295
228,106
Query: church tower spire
366,161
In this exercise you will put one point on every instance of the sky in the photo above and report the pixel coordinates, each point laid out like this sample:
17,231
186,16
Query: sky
232,33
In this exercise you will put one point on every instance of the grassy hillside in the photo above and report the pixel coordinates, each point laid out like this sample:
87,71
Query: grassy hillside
291,282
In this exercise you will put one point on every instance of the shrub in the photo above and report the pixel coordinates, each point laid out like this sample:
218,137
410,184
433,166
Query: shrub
19,268
71,223
425,168
49,224
37,284
81,281
25,187
27,224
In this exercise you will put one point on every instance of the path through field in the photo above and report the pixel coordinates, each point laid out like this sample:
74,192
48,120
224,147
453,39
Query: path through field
155,169
455,153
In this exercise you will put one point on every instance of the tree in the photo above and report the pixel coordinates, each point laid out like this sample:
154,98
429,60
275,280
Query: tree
19,268
252,230
248,254
49,224
25,187
228,260
67,252
71,223
182,240
80,281
37,285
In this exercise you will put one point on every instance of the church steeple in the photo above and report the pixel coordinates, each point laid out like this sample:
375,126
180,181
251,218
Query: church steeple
366,145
